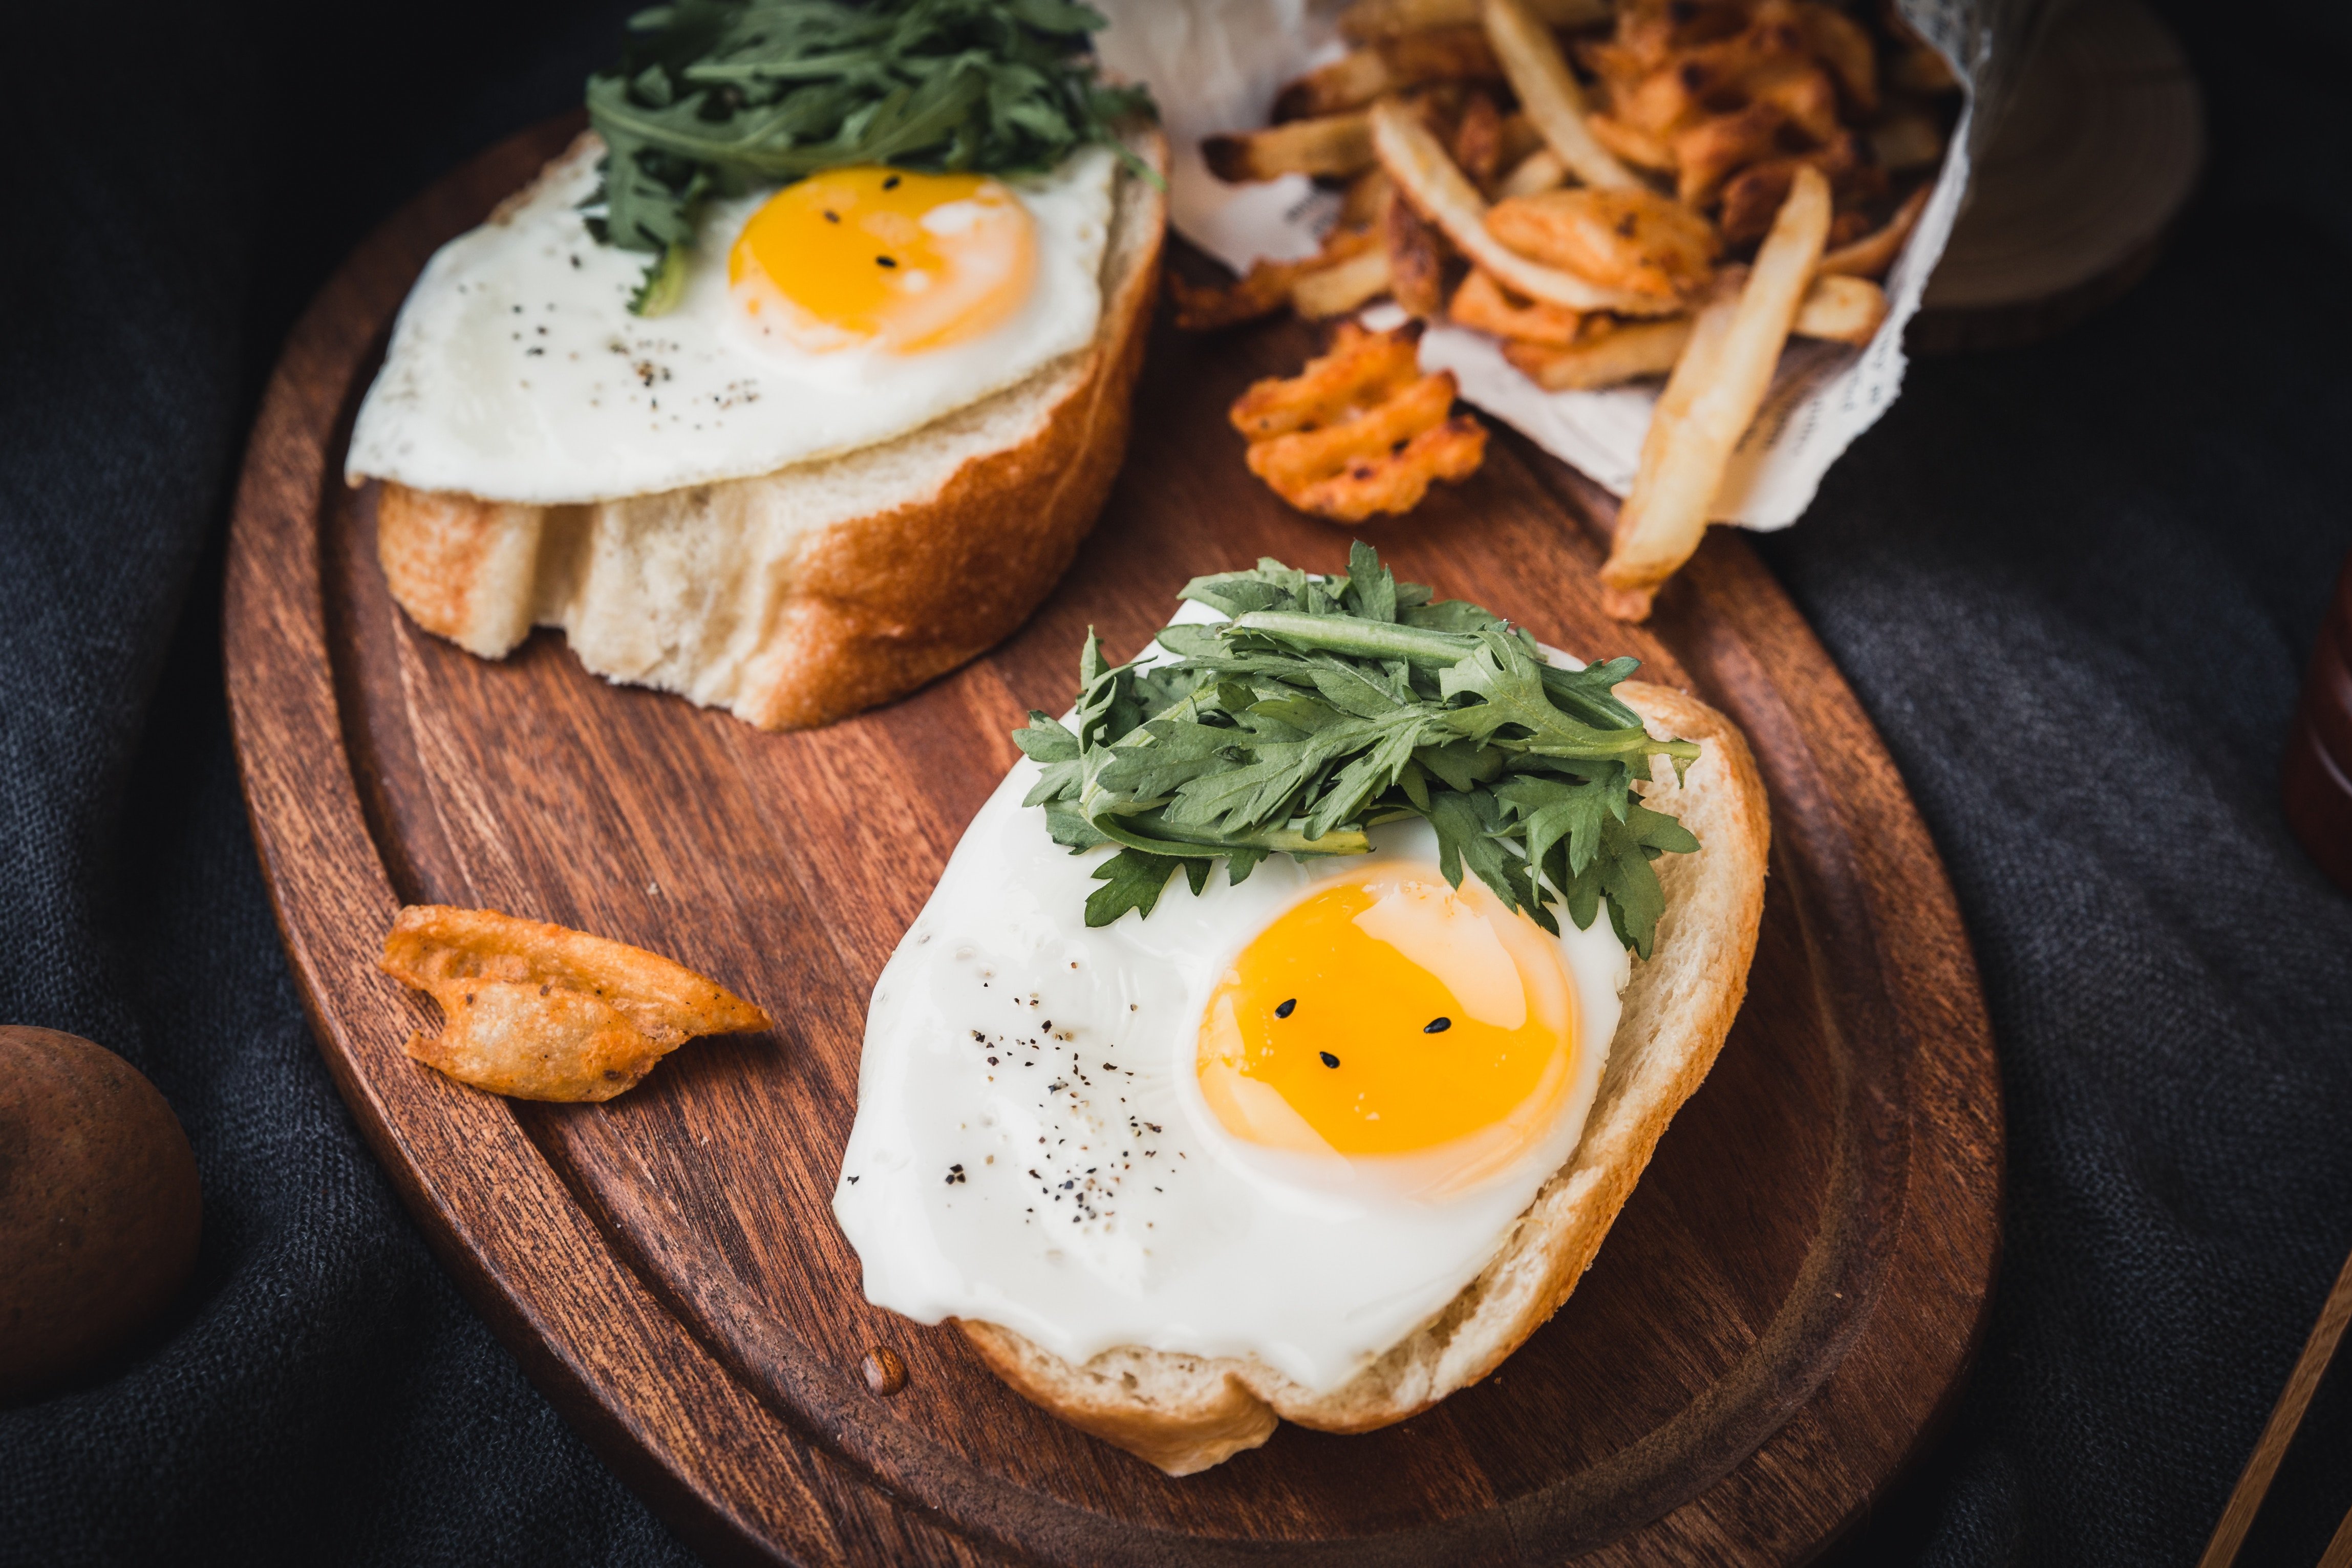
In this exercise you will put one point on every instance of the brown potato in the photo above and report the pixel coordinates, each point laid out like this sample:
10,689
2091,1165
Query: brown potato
541,1012
1631,239
1484,305
1366,21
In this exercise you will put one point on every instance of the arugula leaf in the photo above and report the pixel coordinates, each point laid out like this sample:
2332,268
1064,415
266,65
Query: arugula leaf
713,97
1322,707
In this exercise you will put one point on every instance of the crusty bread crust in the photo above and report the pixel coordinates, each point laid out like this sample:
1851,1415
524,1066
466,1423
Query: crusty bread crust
790,627
1186,1413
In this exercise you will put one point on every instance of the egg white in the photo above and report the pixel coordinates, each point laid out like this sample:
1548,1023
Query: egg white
517,374
1032,1148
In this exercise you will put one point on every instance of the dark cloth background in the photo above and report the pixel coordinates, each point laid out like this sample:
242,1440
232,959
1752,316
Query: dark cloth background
2075,586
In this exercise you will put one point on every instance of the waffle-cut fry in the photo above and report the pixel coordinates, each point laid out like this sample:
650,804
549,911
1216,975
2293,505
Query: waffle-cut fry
1710,400
1362,368
1265,288
1367,21
1636,240
1873,254
541,1012
1531,56
1360,430
1334,144
1485,306
1396,483
1304,456
1411,60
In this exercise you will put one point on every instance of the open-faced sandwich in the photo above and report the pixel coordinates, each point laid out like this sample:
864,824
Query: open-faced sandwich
1327,1134
798,379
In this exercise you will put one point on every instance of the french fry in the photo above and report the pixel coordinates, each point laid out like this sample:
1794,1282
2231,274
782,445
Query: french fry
1638,148
1752,198
1633,239
1547,91
1338,290
1608,357
1872,255
1335,144
1709,401
1416,260
1841,309
1367,196
1538,172
1368,20
1904,142
1267,287
1428,178
1412,59
1396,481
1483,305
1478,141
1838,42
1836,308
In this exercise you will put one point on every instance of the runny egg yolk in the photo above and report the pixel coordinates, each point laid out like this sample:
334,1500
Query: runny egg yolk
1387,1014
873,254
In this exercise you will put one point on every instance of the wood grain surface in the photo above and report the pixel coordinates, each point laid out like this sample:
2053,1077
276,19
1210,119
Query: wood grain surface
1778,1316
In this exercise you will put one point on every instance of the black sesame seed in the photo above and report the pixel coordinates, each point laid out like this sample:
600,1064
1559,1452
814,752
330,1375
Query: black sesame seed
886,261
831,216
1328,1059
1437,1026
1287,1009
891,183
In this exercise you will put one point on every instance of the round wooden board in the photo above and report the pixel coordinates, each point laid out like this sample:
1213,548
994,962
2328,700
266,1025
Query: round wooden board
1778,1317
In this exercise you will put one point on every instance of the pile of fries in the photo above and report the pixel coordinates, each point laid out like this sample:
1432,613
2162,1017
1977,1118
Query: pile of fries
1653,188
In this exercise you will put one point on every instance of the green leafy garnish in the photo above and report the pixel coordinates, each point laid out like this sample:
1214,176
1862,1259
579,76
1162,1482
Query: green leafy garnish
717,97
1323,707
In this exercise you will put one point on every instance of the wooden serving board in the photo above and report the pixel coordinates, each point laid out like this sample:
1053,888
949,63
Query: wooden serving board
1778,1317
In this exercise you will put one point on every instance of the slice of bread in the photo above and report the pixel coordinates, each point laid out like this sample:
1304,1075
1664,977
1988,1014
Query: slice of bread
799,597
1186,1413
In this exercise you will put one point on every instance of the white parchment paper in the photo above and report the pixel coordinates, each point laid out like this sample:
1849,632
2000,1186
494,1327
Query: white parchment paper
1215,65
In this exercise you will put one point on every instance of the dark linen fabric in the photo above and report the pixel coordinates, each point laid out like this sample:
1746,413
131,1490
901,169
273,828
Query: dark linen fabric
2074,585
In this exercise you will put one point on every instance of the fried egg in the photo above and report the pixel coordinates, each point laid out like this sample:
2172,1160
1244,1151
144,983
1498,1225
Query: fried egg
832,314
1290,1119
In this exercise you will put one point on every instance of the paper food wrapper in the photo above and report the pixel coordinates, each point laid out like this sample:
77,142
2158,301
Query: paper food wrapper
1216,65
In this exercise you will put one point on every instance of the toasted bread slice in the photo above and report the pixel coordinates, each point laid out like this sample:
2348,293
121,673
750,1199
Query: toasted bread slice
799,597
1186,1413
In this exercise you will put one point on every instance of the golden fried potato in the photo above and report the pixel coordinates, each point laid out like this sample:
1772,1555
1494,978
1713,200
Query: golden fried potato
1344,288
1630,239
1713,395
1335,144
1409,59
1531,56
1606,354
1365,21
1360,430
1873,254
541,1012
1361,368
1484,305
1265,289
1417,255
